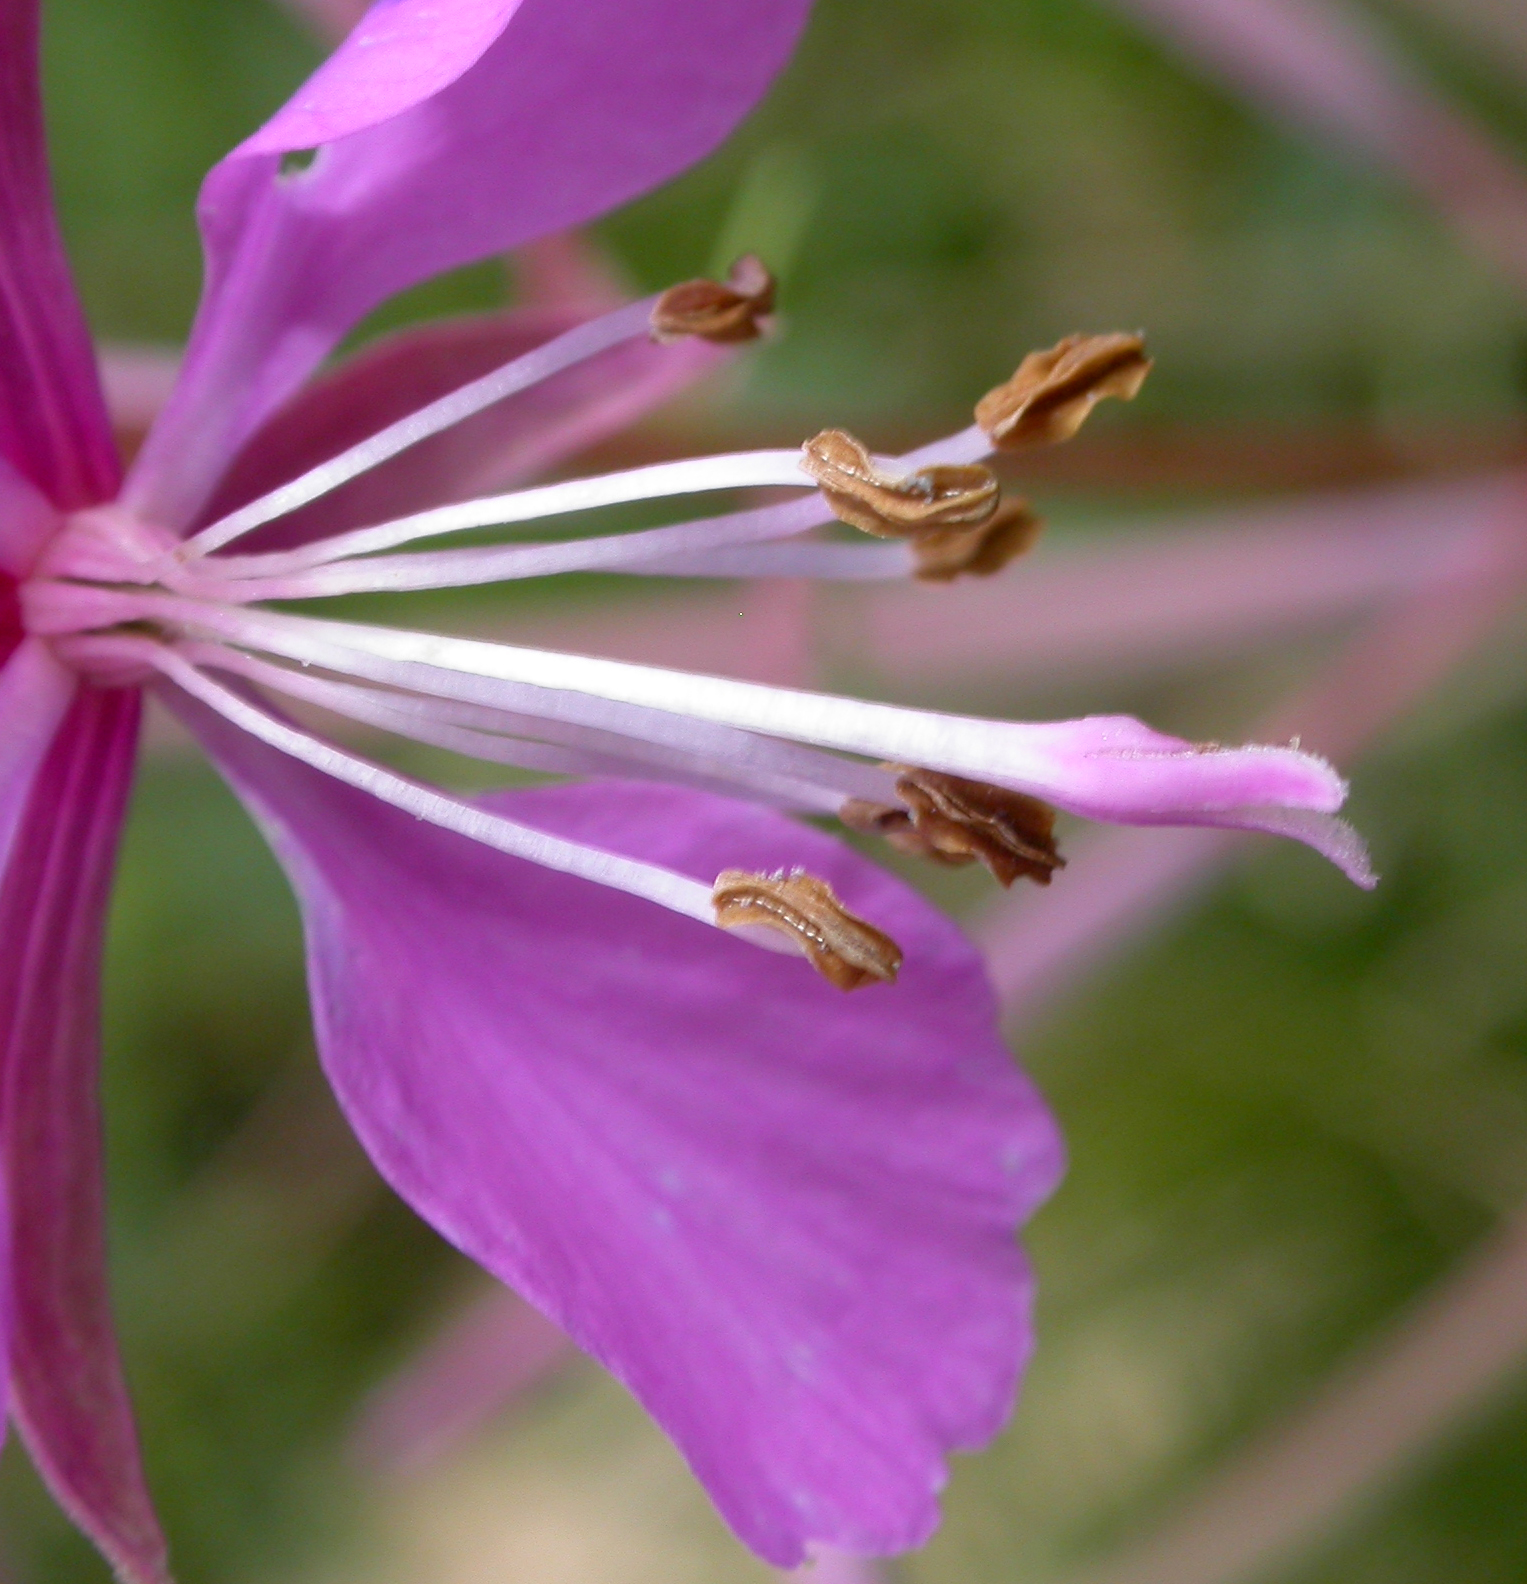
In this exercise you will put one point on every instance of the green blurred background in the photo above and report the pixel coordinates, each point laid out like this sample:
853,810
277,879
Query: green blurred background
1291,1108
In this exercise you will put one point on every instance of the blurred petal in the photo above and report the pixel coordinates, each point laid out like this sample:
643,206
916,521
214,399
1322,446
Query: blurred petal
1171,595
568,269
484,1358
330,19
783,1216
138,382
499,448
1324,66
837,1567
71,1400
442,142
53,426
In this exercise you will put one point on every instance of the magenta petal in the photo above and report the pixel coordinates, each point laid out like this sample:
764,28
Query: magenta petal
53,425
71,1400
782,1215
28,519
501,447
35,694
452,139
399,54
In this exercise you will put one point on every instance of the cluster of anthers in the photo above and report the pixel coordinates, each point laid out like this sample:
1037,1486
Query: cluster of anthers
125,601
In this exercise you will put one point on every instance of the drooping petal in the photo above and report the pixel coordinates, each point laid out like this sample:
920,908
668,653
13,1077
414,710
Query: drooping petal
71,1400
445,134
53,425
782,1215
509,443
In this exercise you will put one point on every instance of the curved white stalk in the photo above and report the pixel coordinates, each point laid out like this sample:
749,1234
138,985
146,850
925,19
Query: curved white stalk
251,578
693,476
574,346
501,738
72,612
677,892
296,574
1106,767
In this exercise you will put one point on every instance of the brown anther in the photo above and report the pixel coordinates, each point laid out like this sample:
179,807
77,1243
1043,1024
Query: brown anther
1048,399
944,554
955,821
726,311
893,506
893,824
844,949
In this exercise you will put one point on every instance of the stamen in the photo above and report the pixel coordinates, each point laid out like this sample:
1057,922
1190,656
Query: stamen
286,574
897,506
536,743
1093,767
249,578
701,548
577,345
674,891
955,821
1049,397
695,475
948,553
724,313
846,950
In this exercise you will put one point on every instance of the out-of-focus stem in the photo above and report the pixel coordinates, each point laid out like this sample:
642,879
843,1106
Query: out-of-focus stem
1367,1428
1324,67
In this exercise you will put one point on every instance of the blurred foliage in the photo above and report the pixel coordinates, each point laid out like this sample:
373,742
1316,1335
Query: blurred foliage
1289,1110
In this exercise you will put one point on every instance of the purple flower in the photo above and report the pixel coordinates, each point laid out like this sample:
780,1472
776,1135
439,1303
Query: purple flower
782,1215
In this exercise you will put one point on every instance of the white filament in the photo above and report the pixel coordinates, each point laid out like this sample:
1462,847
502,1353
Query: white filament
575,346
630,552
1015,755
661,480
677,892
516,739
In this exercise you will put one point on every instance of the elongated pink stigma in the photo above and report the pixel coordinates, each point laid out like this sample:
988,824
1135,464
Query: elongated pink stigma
1105,767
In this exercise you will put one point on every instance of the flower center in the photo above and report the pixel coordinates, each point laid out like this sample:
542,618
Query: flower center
92,579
